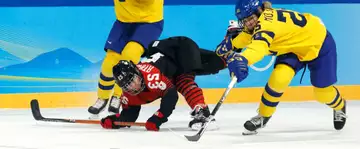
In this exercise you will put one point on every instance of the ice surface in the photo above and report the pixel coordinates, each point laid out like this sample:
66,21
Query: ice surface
293,126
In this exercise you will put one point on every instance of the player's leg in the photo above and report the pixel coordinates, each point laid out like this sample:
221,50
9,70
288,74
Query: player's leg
132,51
211,63
186,85
118,48
116,41
285,69
141,36
188,54
323,77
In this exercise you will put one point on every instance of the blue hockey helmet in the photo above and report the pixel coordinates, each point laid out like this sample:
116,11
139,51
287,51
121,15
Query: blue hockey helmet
245,8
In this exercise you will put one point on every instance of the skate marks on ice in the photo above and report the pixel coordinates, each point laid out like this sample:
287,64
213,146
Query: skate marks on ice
306,125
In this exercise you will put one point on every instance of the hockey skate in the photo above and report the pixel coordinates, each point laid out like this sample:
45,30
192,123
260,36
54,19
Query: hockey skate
340,117
114,105
98,107
255,123
200,115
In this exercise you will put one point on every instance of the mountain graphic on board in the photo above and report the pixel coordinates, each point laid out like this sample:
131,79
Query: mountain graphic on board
59,63
7,59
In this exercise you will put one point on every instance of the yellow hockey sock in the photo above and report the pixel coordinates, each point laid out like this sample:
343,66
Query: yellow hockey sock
132,51
279,80
329,96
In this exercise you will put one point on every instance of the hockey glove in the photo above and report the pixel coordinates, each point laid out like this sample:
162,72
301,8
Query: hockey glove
238,66
233,29
224,47
155,121
108,122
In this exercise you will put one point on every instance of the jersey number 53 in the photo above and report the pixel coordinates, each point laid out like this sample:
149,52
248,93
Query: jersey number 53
154,82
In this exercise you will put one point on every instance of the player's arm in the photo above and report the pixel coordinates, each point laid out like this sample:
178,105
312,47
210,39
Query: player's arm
167,105
229,45
168,101
241,40
259,47
129,113
147,2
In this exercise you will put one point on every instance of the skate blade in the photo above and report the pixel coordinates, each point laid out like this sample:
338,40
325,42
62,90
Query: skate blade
248,133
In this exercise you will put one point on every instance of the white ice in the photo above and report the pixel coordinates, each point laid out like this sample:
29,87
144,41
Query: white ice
293,126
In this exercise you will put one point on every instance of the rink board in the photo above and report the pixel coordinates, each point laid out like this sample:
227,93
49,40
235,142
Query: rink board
237,95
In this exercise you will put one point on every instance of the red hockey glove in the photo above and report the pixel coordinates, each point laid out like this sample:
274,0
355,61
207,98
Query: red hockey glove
108,122
155,121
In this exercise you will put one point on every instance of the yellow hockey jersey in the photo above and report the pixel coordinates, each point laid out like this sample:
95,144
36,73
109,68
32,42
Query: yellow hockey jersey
143,11
283,31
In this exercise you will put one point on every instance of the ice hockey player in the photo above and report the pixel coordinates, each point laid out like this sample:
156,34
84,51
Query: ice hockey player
171,66
137,24
299,41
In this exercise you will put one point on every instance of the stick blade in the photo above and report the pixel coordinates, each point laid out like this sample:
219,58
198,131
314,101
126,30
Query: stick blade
35,110
193,138
198,135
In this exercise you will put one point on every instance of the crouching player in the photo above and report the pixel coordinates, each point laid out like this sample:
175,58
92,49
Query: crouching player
298,40
161,76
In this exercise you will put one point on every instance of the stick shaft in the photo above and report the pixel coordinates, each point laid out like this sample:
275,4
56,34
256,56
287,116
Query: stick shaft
35,109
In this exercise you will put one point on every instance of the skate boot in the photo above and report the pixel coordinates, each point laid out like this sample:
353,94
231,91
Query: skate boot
200,115
340,117
98,107
254,124
114,105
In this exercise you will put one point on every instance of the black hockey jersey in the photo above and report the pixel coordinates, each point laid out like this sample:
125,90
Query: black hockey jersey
187,56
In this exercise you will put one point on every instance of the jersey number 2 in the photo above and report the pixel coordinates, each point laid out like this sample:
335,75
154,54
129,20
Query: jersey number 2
296,21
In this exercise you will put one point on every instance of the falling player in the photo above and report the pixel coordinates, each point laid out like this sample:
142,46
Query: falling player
161,76
137,24
298,40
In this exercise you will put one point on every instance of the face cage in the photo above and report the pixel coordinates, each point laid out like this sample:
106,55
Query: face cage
132,91
241,23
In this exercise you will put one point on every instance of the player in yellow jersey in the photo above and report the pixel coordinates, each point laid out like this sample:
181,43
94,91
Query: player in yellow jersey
138,23
298,40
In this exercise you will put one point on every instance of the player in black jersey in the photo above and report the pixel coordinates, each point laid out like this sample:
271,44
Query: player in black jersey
177,60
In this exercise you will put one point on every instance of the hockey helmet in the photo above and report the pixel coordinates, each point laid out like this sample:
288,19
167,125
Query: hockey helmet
245,8
128,77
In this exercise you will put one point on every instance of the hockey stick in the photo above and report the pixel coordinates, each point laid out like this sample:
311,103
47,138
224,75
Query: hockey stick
197,136
35,109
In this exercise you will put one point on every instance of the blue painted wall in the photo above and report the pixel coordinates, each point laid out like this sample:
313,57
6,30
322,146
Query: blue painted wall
67,42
